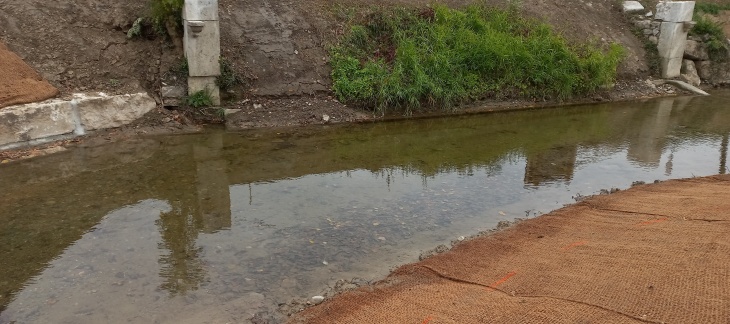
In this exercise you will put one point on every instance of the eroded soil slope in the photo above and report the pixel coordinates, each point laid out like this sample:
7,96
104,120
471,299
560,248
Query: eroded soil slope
81,45
280,46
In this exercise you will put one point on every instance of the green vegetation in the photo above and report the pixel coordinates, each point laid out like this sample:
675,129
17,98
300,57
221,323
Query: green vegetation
165,13
440,57
713,37
228,78
711,8
136,30
199,99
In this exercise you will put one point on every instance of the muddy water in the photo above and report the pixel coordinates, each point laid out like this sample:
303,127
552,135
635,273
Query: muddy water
229,227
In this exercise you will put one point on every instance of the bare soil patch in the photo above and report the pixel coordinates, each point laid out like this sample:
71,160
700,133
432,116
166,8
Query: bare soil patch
651,254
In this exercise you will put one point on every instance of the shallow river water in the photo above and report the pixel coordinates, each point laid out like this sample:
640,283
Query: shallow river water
228,227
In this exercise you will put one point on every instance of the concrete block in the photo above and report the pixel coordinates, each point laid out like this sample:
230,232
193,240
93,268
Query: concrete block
633,6
196,84
695,51
102,112
672,40
34,121
172,92
203,51
671,67
675,11
200,10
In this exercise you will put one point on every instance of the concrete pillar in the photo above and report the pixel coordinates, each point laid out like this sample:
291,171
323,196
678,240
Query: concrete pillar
202,46
676,17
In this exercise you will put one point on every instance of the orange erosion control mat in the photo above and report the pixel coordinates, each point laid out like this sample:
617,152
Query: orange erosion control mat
19,83
652,254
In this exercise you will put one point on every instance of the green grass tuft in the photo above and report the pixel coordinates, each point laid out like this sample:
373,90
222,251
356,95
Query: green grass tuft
228,78
199,99
439,57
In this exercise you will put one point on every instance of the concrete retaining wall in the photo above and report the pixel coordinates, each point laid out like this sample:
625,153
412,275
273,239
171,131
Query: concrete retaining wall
57,119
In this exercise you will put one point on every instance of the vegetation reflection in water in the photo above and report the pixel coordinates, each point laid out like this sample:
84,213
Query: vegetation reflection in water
226,226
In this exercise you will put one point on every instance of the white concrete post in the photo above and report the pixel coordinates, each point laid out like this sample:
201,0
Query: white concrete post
202,46
676,17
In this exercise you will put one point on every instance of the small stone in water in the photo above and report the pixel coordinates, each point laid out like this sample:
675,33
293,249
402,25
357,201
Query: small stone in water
317,299
461,238
325,262
382,238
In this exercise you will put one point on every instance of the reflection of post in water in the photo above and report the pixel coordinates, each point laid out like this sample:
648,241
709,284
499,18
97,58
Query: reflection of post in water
551,165
214,197
181,267
648,146
723,154
203,206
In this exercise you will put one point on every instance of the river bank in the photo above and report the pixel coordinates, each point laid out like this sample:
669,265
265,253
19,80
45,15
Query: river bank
651,254
285,113
240,226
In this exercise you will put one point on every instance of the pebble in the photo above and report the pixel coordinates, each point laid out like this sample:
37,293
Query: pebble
317,299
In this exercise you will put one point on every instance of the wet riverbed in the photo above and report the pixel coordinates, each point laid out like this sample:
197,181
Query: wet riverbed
226,227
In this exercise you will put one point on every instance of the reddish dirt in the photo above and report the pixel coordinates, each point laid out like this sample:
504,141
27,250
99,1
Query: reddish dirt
19,83
652,254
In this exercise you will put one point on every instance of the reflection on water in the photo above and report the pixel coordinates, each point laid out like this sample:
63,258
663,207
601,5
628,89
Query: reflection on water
223,227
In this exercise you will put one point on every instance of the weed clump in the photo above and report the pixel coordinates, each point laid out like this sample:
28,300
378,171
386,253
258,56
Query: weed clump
440,57
713,37
228,78
199,99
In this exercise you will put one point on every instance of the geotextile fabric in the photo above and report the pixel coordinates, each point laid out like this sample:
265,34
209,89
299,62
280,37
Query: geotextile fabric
658,253
19,83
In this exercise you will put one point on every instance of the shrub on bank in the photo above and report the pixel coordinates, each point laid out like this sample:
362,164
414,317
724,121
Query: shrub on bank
439,57
713,36
166,14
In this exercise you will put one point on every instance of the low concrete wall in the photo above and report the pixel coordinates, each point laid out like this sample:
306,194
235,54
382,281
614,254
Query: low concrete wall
57,119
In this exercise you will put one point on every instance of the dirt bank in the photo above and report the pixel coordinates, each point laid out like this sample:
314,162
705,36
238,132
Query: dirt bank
652,254
278,46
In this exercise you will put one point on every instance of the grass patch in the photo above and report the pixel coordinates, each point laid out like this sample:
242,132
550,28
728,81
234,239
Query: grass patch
713,37
711,8
199,99
228,78
439,57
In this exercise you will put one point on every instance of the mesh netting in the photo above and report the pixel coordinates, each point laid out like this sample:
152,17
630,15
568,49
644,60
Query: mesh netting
19,83
651,254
